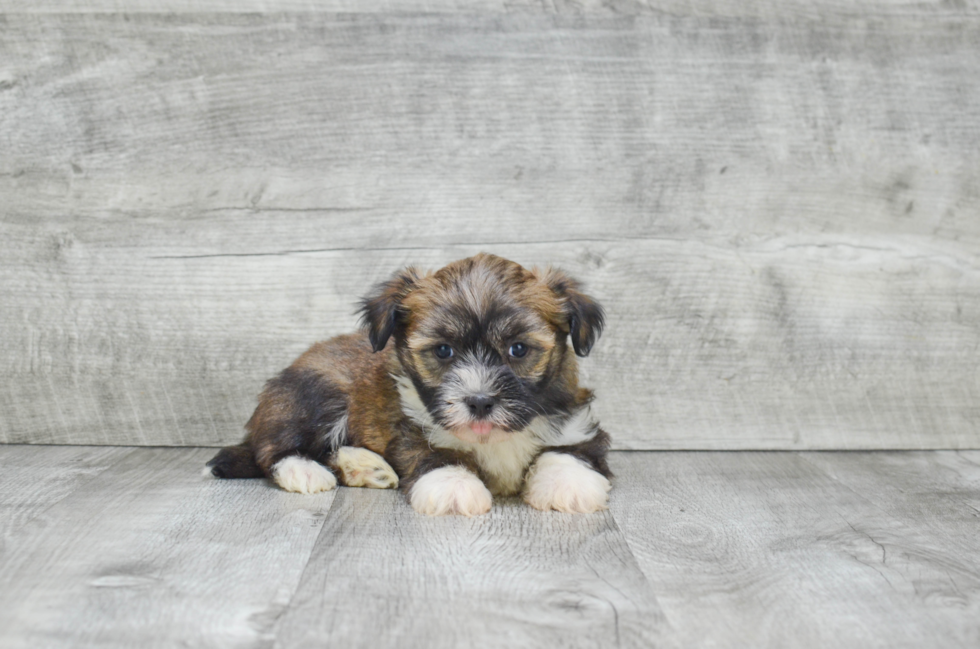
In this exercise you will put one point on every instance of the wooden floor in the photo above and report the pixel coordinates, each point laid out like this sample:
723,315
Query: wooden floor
132,547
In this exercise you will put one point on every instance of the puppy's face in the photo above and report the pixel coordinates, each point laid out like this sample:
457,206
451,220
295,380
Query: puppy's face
484,341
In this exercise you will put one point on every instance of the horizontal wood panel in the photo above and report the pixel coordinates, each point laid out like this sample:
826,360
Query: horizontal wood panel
780,216
724,8
638,126
826,346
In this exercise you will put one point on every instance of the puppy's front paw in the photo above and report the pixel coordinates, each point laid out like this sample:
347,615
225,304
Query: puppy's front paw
302,475
450,490
360,467
565,483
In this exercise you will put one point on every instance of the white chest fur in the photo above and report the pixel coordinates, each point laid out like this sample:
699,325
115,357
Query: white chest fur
505,462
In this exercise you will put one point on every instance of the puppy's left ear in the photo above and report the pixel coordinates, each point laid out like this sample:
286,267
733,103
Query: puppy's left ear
382,310
585,316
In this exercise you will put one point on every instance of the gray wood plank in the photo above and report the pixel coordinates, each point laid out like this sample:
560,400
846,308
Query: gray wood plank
282,6
779,213
866,550
150,554
381,575
131,547
716,8
35,478
817,357
940,492
249,6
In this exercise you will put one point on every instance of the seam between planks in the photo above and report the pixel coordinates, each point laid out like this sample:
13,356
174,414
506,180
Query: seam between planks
274,628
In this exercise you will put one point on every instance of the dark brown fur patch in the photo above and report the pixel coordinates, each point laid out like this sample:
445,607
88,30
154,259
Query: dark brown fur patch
235,462
585,317
298,410
382,311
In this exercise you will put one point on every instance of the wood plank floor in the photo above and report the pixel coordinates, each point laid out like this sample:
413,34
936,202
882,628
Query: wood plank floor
127,547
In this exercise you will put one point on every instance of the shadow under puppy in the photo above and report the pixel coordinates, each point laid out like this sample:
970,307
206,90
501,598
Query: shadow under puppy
478,396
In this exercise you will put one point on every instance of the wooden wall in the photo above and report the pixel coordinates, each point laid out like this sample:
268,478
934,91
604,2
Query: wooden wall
778,203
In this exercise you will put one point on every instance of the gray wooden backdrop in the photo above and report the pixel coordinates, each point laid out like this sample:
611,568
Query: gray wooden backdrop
778,203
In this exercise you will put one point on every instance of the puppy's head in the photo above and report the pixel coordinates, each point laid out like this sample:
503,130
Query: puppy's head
484,341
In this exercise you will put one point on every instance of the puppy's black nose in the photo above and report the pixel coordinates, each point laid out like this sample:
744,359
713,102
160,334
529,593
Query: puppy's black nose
479,405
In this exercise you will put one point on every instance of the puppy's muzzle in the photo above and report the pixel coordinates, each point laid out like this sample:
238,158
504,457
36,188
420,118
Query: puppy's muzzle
480,406
481,394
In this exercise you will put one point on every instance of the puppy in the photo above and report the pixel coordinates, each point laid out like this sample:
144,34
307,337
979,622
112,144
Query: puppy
477,396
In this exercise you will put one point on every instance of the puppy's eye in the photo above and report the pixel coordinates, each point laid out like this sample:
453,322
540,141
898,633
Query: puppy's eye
518,350
443,352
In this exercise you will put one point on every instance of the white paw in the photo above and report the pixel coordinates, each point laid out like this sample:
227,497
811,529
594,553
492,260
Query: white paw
363,468
450,490
565,483
302,475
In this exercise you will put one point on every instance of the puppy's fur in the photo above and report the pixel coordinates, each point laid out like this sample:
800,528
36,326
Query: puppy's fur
461,387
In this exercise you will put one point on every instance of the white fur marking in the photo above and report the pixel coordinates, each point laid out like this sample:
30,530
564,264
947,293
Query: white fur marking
473,377
567,484
579,427
450,490
364,468
302,475
334,437
412,404
505,461
478,288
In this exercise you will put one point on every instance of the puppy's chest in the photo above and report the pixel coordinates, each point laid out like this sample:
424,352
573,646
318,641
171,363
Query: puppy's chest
504,463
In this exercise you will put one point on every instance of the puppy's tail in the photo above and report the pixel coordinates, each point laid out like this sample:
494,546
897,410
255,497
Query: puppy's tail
235,462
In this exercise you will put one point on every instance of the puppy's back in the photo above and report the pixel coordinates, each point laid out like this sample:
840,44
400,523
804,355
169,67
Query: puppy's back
338,393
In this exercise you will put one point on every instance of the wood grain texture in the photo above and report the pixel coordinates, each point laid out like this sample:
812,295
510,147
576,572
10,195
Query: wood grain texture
313,6
723,8
381,575
131,547
807,550
779,212
33,480
148,553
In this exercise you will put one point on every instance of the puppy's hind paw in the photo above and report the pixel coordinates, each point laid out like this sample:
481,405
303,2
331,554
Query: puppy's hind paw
564,483
302,475
360,467
450,490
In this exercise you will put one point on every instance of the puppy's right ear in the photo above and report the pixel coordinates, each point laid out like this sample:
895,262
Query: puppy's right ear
585,316
381,310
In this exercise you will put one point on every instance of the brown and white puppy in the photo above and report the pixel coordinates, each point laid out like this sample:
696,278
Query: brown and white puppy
478,396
